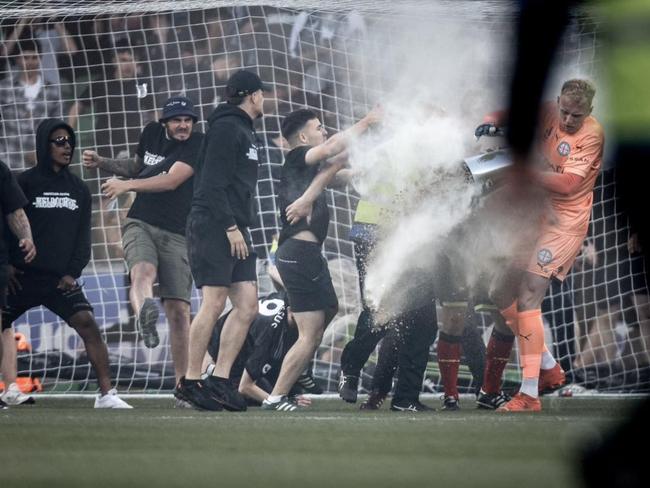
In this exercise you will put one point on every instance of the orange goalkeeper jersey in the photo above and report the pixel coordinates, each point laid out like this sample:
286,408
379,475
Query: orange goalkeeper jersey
580,154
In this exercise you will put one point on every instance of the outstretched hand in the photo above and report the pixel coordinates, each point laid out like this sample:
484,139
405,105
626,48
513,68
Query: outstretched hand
376,115
302,401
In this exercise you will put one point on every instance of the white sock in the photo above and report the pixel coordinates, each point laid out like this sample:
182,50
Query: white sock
273,398
529,387
548,361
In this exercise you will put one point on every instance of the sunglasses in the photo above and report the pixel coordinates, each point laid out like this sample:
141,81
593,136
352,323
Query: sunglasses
61,141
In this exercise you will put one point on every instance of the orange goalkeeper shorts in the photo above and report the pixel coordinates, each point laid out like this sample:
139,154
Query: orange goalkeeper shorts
554,253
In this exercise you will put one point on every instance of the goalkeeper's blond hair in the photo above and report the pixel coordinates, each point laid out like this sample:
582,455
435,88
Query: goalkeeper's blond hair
581,91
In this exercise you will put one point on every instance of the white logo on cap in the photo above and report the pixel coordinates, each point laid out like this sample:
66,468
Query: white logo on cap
141,89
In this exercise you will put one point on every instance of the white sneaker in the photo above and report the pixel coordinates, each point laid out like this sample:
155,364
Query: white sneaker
13,396
182,404
110,400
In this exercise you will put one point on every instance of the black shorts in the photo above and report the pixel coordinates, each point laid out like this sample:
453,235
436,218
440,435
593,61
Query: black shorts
3,285
305,275
38,289
208,249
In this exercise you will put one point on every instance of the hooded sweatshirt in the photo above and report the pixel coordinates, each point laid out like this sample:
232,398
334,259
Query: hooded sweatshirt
58,209
226,176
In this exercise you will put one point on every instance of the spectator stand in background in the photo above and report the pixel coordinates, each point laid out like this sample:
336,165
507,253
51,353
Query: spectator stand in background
119,106
26,98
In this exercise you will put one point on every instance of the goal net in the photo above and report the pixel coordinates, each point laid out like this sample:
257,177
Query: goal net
106,68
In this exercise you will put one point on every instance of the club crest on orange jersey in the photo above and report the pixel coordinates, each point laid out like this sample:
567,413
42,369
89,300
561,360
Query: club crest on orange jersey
564,148
544,256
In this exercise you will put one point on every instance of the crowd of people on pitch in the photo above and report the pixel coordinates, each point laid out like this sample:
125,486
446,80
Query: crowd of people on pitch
190,223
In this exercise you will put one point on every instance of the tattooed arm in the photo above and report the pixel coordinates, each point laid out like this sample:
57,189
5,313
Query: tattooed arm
19,225
128,167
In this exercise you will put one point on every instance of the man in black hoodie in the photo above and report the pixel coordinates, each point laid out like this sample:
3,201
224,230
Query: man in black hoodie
219,245
58,208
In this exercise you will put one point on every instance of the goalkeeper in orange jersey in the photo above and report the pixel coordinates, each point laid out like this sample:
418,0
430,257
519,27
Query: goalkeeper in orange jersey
571,149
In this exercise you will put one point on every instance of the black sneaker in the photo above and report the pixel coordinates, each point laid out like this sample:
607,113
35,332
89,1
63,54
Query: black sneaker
415,406
491,401
196,394
146,323
3,405
450,403
374,401
348,386
307,383
226,394
282,405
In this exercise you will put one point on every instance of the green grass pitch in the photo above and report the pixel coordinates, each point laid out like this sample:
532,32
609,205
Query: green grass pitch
66,443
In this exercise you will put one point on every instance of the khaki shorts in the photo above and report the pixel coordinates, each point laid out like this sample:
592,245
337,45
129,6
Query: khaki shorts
554,254
166,250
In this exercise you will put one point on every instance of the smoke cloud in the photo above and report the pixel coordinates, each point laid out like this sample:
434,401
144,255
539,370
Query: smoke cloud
439,80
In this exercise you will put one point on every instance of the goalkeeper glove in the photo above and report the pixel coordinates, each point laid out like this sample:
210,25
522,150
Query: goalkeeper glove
488,130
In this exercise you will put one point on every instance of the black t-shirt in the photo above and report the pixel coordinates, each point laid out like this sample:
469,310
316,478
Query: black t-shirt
269,338
11,199
297,175
169,209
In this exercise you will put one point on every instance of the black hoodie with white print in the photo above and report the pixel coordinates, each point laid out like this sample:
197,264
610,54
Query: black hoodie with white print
226,176
59,211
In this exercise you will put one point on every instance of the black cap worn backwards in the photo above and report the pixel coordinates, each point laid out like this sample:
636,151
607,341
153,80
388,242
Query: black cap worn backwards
244,83
177,106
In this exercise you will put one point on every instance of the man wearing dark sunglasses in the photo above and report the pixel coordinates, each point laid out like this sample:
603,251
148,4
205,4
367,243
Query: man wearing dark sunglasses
58,208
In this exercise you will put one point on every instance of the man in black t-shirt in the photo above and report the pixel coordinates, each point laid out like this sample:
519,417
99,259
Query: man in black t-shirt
153,235
12,201
300,263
